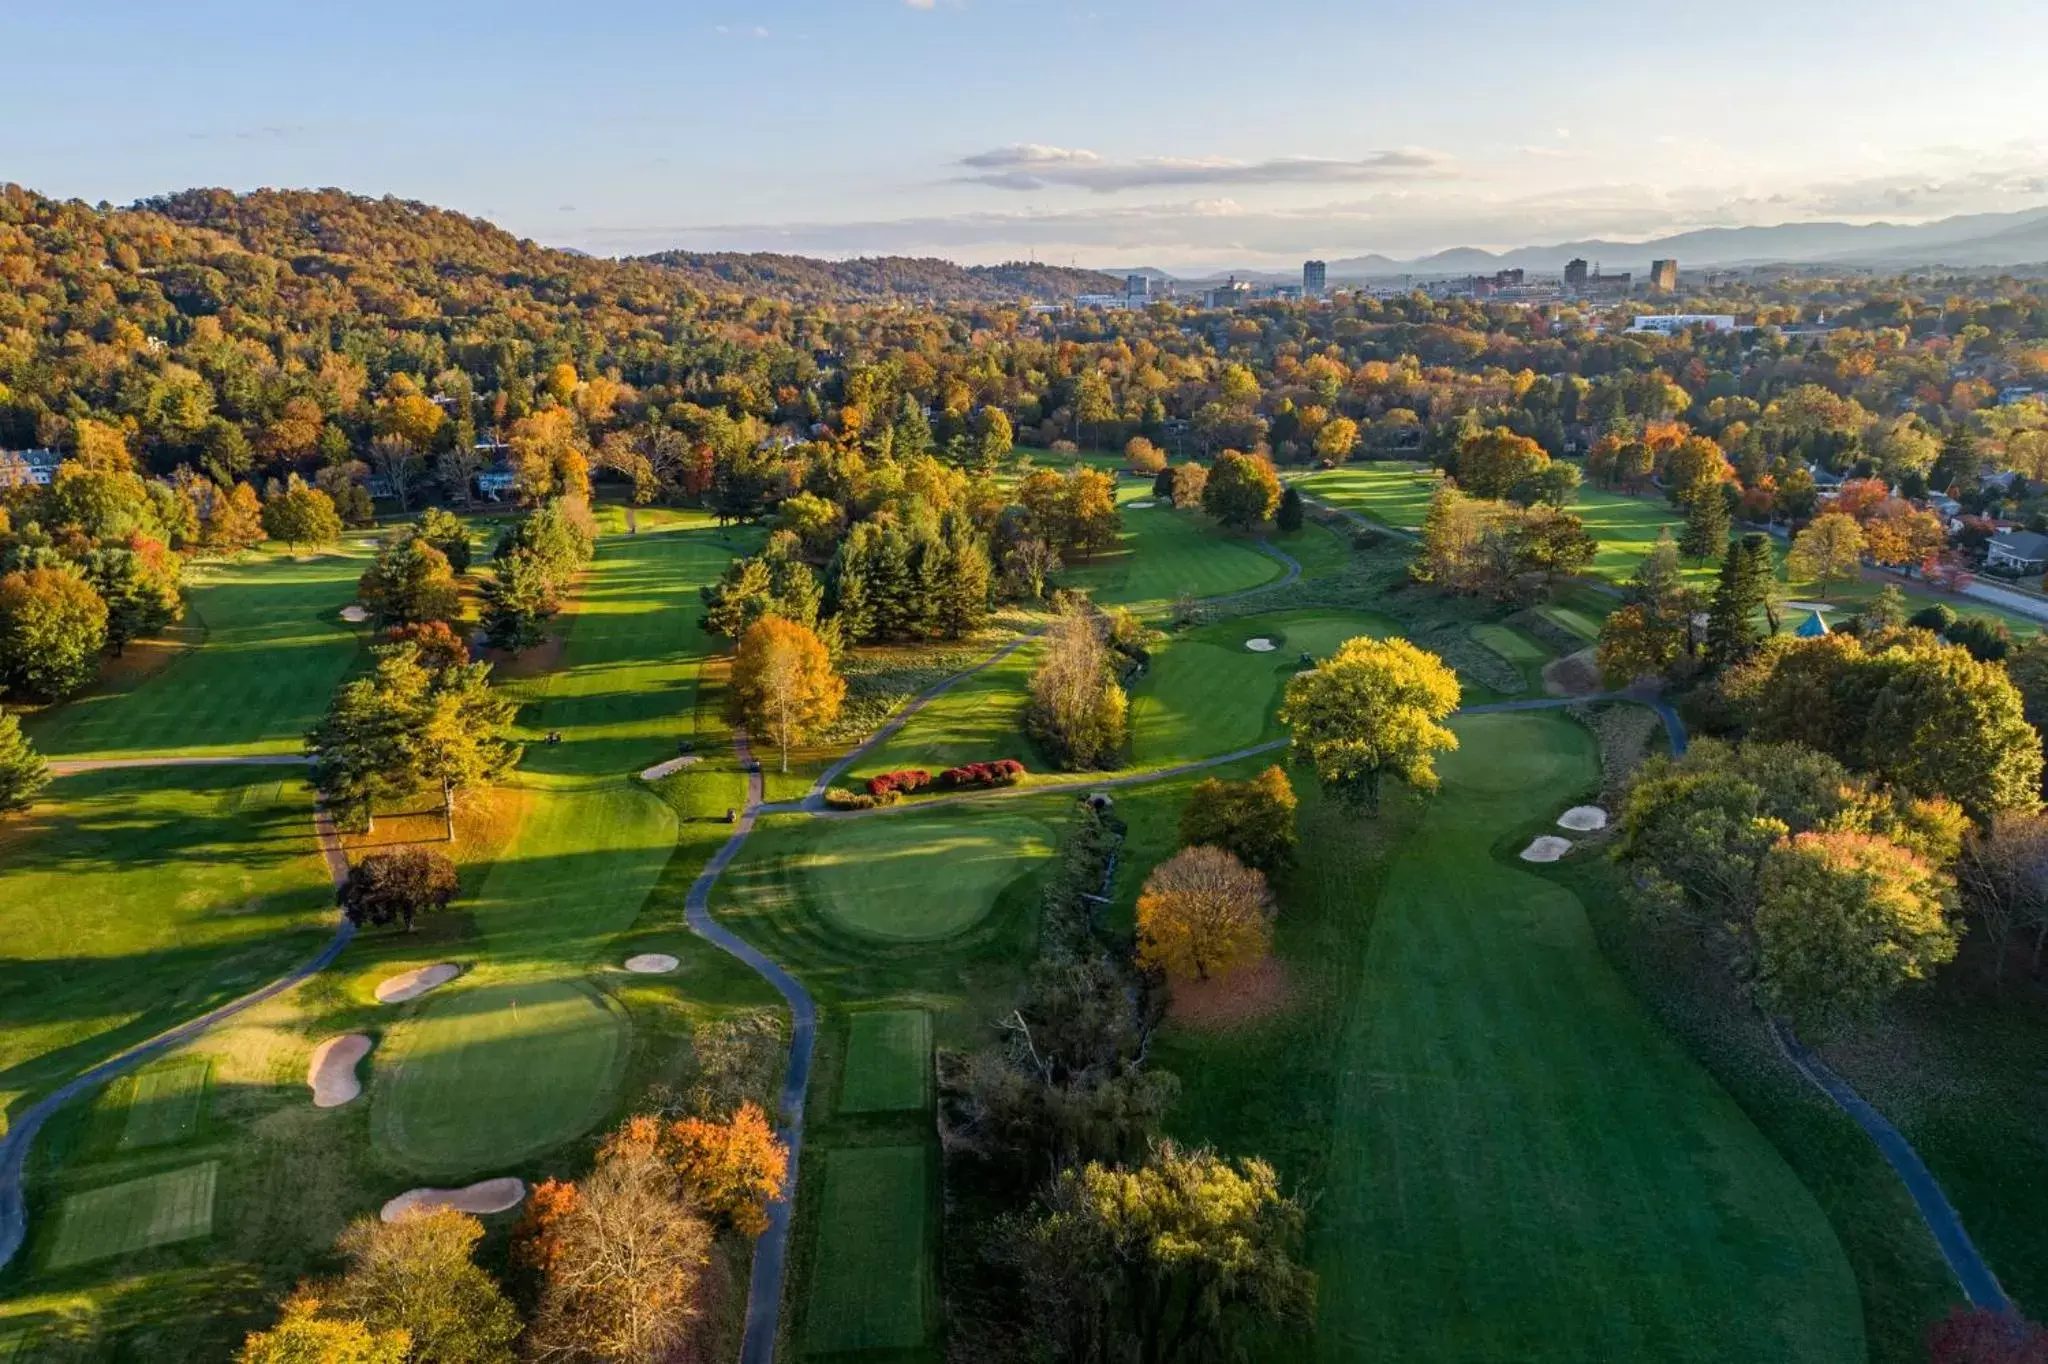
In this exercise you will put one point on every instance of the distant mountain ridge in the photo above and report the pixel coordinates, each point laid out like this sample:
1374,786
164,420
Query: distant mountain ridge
907,278
1965,241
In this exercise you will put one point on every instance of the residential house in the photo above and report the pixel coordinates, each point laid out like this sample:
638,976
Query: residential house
2017,552
495,480
28,466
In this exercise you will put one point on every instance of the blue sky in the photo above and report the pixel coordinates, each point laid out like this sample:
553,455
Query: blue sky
1181,134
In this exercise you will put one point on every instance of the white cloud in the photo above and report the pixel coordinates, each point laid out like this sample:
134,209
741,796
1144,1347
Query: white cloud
1029,166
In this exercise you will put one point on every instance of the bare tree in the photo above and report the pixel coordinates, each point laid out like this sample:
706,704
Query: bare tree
2004,879
393,459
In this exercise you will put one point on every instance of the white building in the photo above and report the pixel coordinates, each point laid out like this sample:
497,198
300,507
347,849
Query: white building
28,466
1671,324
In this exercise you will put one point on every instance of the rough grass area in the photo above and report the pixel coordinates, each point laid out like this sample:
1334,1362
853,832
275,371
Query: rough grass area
154,1211
918,877
977,720
484,1077
133,900
274,646
1166,554
1513,1160
873,1282
888,1061
164,1103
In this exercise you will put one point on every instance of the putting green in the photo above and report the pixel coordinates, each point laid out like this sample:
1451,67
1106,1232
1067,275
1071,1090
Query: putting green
1319,636
888,1061
871,1284
483,1078
99,1224
164,1102
919,877
1510,645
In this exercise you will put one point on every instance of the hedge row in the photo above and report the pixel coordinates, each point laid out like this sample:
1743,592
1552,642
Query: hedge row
911,779
1001,772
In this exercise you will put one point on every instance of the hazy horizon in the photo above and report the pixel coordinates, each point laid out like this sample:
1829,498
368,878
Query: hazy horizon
1180,136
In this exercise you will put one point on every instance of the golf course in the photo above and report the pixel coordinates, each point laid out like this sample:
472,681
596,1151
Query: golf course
1510,1157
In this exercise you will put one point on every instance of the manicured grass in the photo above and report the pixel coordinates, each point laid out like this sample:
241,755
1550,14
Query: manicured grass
157,1210
488,1075
888,1061
1568,618
578,871
164,1102
873,1281
1627,529
1392,492
627,690
133,900
273,649
1513,1160
916,877
1165,553
1511,645
1204,693
977,720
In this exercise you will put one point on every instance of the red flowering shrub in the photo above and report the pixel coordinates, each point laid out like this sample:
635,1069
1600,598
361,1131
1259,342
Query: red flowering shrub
1001,772
912,779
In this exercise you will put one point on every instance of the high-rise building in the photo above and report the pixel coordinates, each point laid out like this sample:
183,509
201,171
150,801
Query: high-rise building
1664,276
1575,274
1314,275
1137,288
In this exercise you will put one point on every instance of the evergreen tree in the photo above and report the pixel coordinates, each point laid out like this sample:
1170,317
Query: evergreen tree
1706,523
518,600
22,770
1744,590
964,607
1957,468
1290,514
913,429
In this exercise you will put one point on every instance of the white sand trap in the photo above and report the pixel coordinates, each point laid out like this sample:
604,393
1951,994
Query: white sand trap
414,983
1261,645
332,1071
1583,819
489,1195
1141,506
652,964
1548,848
672,766
353,614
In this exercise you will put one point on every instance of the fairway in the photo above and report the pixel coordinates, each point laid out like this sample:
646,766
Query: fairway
919,877
274,648
872,1281
132,900
1392,492
580,867
1509,645
888,1061
627,687
1527,1167
164,1103
122,1218
1165,554
485,1077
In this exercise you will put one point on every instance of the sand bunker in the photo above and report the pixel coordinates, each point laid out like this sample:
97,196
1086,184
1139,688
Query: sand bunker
672,766
489,1195
652,964
353,614
412,984
1261,645
1546,849
1583,819
1141,506
332,1071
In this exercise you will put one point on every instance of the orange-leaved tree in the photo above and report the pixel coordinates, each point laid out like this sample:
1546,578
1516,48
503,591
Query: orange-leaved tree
1203,912
783,684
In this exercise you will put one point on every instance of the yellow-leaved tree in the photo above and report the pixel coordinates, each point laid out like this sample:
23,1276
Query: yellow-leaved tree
1829,550
1203,912
1373,707
783,683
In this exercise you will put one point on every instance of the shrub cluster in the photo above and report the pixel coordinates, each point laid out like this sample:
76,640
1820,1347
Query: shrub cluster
911,779
839,798
1001,772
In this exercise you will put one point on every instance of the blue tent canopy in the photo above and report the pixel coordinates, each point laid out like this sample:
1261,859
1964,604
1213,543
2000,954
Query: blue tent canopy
1813,627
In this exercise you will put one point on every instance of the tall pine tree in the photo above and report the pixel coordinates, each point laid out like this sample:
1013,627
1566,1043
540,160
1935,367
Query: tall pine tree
1706,523
1744,591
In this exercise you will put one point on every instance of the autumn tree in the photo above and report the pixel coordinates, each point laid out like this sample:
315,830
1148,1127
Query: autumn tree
408,581
398,886
396,461
1241,491
298,515
1374,707
304,1334
447,532
1843,921
1177,1257
621,1255
1141,456
1190,480
1828,551
1078,711
1203,911
235,520
783,683
52,628
732,1169
23,773
1252,820
1493,464
1336,440
416,1275
1651,635
2003,872
549,457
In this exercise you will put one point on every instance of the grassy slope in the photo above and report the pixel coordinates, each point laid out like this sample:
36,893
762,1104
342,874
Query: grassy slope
1512,1160
1165,553
274,648
135,900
